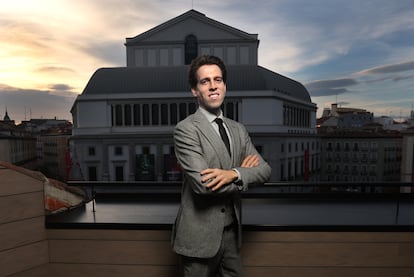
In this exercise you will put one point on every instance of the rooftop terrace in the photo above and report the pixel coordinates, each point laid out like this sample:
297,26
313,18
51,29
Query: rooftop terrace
289,230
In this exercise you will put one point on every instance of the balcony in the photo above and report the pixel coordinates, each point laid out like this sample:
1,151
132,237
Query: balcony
290,229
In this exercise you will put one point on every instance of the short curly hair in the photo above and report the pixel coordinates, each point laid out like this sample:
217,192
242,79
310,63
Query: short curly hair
204,60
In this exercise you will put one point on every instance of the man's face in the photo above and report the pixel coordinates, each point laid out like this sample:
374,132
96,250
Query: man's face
211,89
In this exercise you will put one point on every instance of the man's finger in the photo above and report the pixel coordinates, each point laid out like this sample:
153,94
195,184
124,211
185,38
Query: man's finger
250,161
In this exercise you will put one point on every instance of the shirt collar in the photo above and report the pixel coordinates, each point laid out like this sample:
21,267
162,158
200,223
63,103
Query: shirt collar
210,116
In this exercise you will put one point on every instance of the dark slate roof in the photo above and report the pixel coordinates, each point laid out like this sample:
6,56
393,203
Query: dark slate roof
174,79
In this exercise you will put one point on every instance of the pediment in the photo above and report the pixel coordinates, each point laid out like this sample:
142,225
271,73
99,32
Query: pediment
191,22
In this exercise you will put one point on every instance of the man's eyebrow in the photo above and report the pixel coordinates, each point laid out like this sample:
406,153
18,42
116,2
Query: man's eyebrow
208,78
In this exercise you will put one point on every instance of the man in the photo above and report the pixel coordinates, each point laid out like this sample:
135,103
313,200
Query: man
217,166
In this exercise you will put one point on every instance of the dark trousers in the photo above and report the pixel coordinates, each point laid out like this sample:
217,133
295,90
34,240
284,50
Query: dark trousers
226,263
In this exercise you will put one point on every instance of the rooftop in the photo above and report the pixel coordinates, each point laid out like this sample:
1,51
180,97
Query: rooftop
121,80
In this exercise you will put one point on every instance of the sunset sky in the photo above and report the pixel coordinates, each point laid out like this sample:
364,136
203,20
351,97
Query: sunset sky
357,53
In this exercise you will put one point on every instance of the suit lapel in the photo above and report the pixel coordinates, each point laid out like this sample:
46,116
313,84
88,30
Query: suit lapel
235,136
204,126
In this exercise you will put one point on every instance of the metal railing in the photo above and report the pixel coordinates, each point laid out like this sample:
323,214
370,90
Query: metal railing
392,193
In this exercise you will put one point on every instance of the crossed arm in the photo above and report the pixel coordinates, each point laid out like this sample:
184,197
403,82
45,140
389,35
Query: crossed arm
205,179
221,177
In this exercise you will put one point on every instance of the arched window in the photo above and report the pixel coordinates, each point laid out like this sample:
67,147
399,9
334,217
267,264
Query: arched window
191,48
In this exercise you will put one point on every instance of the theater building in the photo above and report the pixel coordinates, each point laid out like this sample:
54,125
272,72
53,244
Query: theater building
124,118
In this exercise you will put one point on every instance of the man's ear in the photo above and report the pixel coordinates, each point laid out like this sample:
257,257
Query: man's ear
194,92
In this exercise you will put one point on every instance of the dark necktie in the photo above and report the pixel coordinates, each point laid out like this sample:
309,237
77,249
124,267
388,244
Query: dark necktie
223,133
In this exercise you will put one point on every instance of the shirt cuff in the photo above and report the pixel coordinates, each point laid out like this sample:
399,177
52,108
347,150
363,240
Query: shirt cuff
238,175
238,181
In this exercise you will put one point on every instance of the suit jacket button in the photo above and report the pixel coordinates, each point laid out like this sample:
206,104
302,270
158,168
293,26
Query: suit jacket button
223,210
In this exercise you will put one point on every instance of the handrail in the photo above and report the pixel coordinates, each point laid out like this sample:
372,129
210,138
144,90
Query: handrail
272,189
396,198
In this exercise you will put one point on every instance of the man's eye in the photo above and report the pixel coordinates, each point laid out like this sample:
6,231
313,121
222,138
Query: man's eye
203,82
219,80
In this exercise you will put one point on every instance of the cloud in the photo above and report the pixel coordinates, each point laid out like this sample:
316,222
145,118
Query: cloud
55,46
400,78
345,82
60,87
392,78
320,37
54,69
327,91
108,52
23,104
330,87
26,38
385,69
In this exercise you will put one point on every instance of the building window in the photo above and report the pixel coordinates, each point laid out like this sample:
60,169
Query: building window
173,114
139,57
337,146
218,52
191,48
192,107
329,147
163,57
118,115
145,114
289,173
356,148
231,55
145,150
230,110
91,151
302,167
119,173
128,115
155,115
137,114
152,57
296,117
118,151
244,55
92,176
183,110
164,114
177,56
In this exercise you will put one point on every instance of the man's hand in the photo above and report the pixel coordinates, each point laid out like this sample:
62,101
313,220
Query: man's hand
217,177
221,177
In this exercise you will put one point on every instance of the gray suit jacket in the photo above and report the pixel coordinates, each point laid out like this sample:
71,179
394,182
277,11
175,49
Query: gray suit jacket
200,221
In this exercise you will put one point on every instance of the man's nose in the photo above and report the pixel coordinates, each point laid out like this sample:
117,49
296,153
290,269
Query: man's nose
212,88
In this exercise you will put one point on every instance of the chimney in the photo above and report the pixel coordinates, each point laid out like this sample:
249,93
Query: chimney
334,111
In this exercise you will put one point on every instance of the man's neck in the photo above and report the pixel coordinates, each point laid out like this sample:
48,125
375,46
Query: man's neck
216,113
